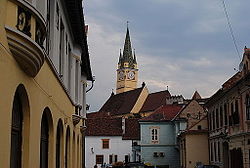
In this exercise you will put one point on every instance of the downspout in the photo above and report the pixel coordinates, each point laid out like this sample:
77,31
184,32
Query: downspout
83,129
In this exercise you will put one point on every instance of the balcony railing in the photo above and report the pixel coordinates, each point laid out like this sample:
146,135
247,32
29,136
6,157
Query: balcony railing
26,32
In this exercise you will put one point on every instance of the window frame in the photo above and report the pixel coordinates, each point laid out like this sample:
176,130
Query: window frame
105,144
99,159
154,134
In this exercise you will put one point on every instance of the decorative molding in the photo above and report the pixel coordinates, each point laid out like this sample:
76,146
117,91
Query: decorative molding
27,53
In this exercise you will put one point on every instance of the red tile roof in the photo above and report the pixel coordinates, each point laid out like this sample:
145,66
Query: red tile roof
104,127
164,113
154,101
121,103
132,129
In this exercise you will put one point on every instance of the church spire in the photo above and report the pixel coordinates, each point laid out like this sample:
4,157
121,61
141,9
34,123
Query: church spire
127,51
135,62
120,57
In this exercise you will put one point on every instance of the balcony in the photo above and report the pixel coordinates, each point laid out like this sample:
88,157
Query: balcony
26,31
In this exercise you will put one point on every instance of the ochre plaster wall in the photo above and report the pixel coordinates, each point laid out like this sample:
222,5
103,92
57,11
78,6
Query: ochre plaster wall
42,91
196,149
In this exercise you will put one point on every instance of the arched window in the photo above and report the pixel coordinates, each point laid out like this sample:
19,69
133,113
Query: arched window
16,133
44,142
59,137
67,148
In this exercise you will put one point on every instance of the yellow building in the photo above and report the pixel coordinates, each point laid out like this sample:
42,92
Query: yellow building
193,141
44,64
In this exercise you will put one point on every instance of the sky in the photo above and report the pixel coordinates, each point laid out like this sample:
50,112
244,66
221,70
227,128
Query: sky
183,44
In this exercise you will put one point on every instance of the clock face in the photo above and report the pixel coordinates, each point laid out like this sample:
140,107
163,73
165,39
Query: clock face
120,75
131,75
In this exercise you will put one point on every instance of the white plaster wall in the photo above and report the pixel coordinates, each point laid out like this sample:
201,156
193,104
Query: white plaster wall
117,146
75,50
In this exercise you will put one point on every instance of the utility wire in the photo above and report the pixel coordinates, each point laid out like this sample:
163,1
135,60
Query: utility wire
230,27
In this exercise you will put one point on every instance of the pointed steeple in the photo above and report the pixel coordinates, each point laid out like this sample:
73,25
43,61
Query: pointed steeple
120,57
127,51
135,62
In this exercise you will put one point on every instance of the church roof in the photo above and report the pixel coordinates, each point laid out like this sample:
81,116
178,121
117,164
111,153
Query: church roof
154,101
121,103
164,113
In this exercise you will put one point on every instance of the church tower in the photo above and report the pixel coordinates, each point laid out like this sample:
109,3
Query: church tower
127,72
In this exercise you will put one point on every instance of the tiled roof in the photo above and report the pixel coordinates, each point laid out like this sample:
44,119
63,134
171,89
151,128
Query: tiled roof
164,113
104,127
155,100
121,103
97,114
132,129
230,82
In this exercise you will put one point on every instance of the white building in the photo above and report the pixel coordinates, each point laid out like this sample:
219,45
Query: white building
108,141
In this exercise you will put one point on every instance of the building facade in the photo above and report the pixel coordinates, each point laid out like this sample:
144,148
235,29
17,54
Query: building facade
45,67
110,140
195,136
159,145
228,114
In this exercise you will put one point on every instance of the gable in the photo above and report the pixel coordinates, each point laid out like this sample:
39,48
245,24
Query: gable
193,112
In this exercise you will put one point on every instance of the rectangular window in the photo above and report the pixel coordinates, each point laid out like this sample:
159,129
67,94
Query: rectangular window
221,116
76,79
212,152
110,159
105,143
215,152
247,102
219,159
61,49
213,119
69,68
99,159
57,16
116,158
225,114
236,113
155,135
217,118
126,158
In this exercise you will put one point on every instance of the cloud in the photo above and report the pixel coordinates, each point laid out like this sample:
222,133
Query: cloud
183,44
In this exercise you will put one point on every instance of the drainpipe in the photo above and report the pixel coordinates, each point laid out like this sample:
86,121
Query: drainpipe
83,127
